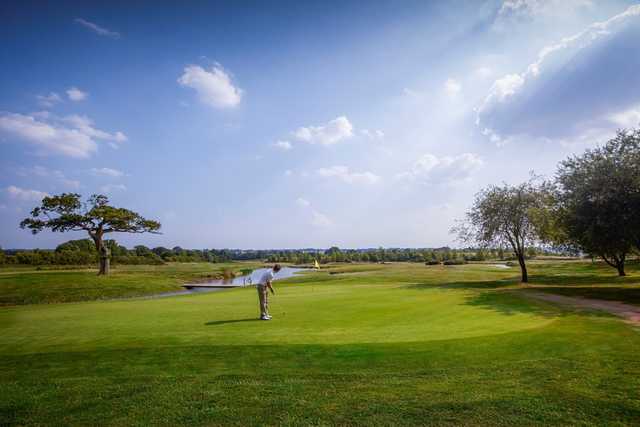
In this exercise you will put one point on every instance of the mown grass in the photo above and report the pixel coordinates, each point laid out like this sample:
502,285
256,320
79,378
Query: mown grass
27,285
396,344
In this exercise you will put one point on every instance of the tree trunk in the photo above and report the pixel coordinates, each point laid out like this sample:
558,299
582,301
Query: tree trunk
523,268
103,253
104,266
620,268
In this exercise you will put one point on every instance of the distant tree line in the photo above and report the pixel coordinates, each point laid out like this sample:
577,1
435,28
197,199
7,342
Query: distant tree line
84,252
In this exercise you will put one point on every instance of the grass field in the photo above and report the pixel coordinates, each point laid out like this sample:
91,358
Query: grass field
398,344
28,285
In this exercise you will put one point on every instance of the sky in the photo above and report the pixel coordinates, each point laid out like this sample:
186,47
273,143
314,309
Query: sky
302,124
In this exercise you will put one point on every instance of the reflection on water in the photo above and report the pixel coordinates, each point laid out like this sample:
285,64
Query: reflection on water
249,279
210,286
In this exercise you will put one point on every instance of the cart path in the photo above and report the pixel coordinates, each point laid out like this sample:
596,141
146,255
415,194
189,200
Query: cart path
628,312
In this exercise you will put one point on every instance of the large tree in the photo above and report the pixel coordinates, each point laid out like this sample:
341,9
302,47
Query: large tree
598,199
504,216
66,212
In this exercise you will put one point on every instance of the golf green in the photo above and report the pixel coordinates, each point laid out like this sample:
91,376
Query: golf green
396,344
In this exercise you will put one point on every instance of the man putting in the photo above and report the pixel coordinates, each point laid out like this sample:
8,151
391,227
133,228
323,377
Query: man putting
263,296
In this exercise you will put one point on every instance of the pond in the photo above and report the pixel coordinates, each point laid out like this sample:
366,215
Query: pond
238,281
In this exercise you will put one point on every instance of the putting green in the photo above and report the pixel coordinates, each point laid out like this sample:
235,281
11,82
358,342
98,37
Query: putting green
397,344
320,314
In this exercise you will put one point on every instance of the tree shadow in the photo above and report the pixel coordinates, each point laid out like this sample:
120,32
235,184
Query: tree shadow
516,302
607,293
582,279
471,284
225,322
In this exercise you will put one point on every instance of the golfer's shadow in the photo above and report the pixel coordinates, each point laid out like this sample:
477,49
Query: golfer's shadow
224,322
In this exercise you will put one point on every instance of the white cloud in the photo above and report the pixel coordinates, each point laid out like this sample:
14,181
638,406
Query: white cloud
452,87
283,145
214,87
25,195
49,100
331,133
431,169
303,202
343,173
513,11
113,173
76,94
288,172
549,57
628,118
98,29
72,136
111,188
85,125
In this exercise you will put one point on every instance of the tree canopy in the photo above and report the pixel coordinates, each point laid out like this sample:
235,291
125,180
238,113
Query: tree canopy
67,212
598,199
504,216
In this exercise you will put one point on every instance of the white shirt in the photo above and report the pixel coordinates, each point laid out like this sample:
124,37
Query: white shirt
266,277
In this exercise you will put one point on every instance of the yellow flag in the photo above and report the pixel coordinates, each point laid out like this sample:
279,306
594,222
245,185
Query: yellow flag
315,264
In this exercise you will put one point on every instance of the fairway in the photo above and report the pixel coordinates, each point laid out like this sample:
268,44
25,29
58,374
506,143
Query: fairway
392,344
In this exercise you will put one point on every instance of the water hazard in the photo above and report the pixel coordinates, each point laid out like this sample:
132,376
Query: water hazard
238,281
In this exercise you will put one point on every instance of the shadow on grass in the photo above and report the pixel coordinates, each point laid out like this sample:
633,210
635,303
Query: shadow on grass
608,293
582,279
226,322
472,284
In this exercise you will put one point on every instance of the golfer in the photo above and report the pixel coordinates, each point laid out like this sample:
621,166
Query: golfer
262,286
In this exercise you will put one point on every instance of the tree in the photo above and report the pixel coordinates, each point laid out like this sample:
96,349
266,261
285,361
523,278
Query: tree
598,200
66,212
503,216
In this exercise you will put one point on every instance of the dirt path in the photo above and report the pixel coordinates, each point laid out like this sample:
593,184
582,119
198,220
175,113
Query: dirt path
630,313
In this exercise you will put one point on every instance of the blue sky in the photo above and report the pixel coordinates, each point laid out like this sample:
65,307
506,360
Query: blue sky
302,124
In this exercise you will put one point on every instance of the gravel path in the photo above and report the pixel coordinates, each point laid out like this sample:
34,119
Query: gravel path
630,313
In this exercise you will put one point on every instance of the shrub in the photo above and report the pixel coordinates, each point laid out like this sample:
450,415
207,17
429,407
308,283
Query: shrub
454,262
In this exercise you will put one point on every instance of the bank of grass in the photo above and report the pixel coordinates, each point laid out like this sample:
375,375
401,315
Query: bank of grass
30,285
399,344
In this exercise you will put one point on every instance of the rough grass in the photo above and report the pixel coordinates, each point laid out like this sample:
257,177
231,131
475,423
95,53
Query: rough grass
397,344
20,285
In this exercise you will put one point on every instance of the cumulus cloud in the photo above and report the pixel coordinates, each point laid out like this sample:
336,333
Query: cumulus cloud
452,87
98,29
72,136
334,131
214,86
112,173
343,173
76,94
570,83
627,118
515,11
49,100
431,169
25,195
283,145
